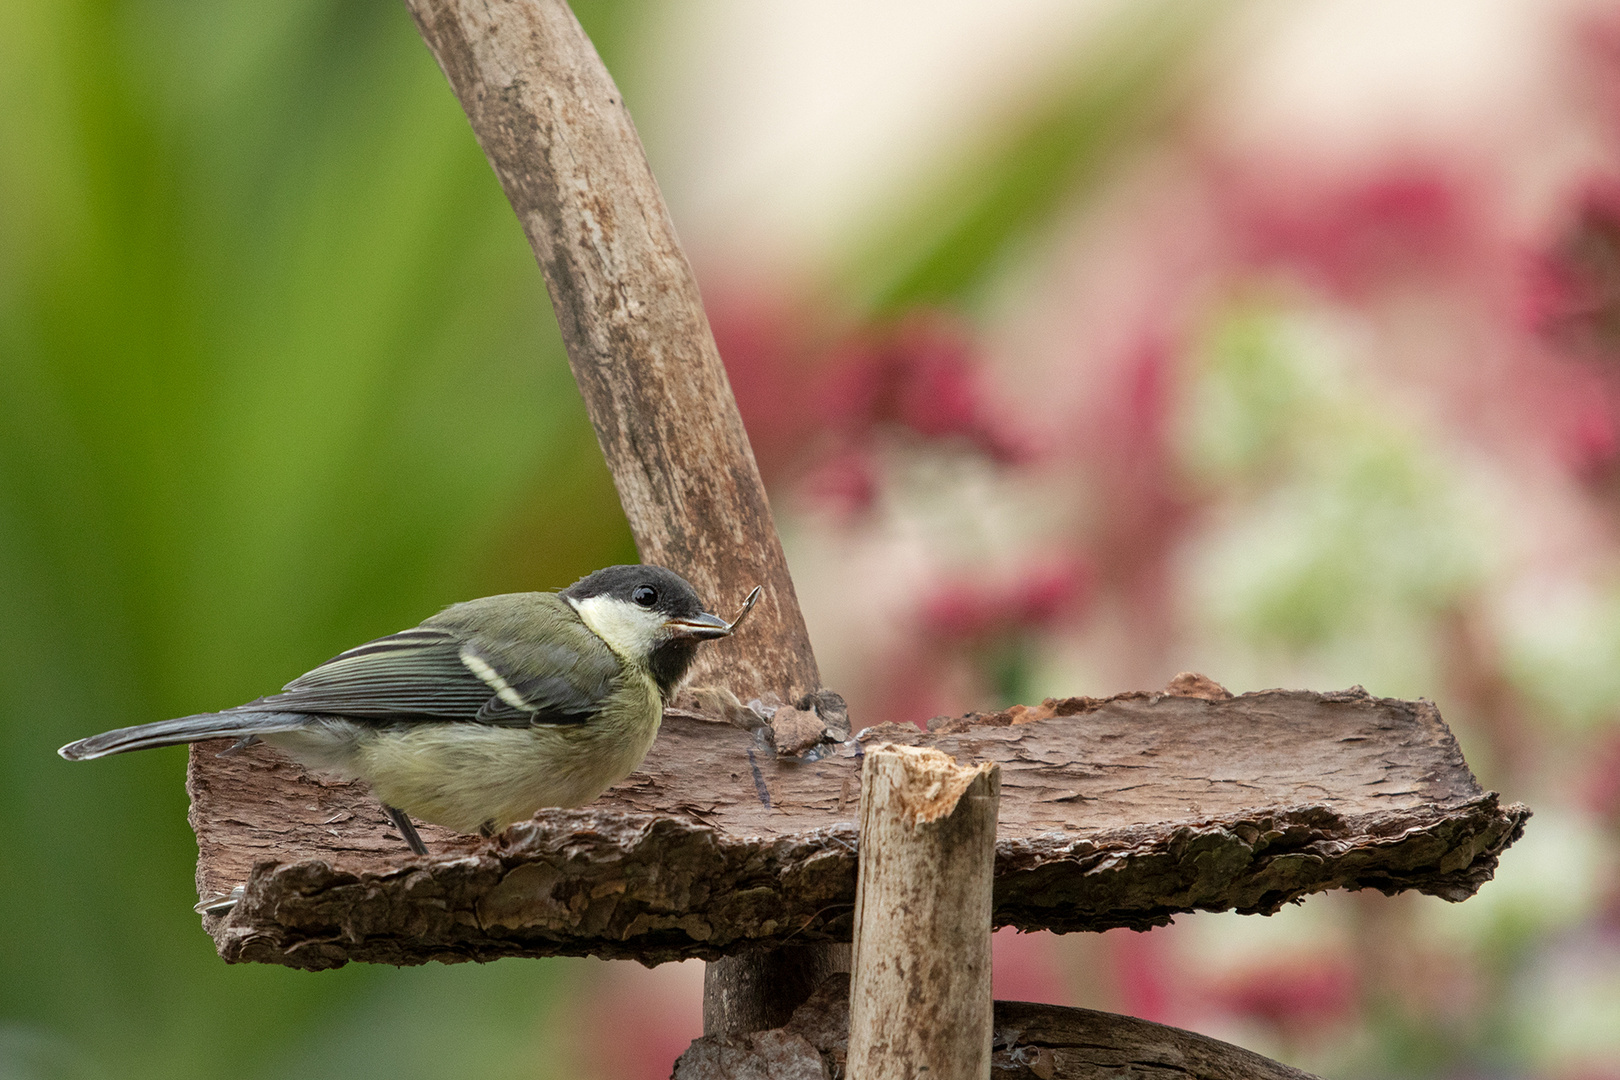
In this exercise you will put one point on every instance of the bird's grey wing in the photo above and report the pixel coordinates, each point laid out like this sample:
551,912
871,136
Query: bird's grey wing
431,673
415,672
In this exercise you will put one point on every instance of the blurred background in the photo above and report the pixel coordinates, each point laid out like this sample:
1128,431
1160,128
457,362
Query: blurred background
1081,342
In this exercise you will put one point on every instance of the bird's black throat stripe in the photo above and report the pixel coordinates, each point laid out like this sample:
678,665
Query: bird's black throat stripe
670,662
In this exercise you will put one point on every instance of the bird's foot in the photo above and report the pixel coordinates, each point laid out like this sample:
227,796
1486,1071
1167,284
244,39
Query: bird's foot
402,822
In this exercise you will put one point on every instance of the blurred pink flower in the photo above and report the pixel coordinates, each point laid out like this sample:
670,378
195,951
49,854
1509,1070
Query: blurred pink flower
1600,788
1036,599
1145,505
636,1021
923,373
1573,293
1025,967
1294,997
1144,975
766,346
1593,440
972,640
815,411
845,482
1572,303
1598,47
1348,234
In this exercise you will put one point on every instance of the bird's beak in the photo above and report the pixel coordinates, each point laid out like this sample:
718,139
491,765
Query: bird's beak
699,627
707,626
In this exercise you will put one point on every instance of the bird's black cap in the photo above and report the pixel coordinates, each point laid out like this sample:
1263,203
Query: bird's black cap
672,595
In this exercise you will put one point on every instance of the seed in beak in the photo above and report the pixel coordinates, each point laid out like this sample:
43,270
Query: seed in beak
748,605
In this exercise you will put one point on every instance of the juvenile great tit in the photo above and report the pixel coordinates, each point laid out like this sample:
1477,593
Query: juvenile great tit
487,711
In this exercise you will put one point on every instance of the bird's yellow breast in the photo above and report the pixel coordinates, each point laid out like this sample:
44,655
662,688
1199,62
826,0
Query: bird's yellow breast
468,775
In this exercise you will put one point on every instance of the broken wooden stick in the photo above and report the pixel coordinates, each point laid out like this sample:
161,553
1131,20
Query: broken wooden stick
920,992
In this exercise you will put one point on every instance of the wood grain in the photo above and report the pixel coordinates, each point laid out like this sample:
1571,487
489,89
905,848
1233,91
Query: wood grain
556,131
1032,1042
1114,812
920,990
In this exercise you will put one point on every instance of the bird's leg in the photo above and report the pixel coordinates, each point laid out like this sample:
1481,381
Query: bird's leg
402,822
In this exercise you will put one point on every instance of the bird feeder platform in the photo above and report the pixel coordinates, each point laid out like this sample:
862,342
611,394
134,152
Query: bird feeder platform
1115,812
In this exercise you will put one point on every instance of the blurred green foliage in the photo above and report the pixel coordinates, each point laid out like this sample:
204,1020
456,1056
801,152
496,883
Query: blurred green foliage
277,374
1350,530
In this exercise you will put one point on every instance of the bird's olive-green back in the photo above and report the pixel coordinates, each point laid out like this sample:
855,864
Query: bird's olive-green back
539,645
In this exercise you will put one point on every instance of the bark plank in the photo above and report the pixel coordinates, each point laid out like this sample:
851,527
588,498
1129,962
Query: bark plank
1114,812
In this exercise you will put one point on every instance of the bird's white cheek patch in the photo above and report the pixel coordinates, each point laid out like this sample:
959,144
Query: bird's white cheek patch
492,679
627,629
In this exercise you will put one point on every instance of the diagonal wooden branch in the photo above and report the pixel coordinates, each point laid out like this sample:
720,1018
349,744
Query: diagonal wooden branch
1114,812
557,133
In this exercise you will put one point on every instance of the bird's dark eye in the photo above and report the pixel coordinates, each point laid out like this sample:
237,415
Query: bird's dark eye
645,596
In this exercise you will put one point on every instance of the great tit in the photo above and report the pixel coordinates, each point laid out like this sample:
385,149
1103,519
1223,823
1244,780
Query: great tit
487,711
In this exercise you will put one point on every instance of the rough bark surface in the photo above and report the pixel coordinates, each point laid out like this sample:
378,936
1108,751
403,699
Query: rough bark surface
1032,1042
1114,812
920,992
555,129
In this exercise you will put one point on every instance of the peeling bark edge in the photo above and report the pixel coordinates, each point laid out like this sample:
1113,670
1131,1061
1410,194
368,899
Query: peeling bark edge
656,889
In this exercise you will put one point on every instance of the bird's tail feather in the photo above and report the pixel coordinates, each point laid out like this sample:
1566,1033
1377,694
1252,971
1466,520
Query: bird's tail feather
184,730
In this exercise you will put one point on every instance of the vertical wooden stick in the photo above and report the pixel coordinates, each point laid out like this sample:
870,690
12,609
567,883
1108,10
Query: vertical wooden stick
556,131
920,1006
